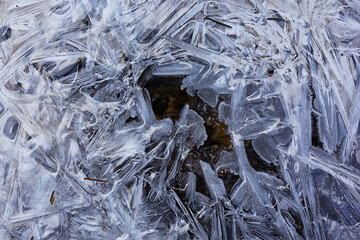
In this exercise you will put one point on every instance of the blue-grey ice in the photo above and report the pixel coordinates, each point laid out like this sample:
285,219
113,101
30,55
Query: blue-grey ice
180,119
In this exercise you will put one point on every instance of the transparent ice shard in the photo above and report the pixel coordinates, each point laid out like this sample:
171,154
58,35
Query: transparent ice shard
257,136
11,128
5,33
192,123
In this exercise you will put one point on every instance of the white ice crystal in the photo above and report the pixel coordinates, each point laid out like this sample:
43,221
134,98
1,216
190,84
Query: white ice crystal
179,119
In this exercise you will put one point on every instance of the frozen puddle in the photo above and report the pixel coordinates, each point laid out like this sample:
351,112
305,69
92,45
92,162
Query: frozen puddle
175,119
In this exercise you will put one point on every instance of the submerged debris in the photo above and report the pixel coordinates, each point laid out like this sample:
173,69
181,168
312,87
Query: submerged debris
94,179
220,23
52,197
276,19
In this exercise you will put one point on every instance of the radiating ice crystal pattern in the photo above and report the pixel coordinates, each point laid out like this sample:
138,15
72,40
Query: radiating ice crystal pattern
179,119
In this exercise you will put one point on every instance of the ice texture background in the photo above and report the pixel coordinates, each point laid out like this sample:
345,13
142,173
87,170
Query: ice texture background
73,105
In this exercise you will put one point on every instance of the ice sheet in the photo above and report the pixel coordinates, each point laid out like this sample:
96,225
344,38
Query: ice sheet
179,119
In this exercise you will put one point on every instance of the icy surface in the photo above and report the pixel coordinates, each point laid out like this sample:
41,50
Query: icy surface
83,88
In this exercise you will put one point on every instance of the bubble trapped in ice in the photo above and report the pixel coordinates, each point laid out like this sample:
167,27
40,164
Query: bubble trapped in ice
179,119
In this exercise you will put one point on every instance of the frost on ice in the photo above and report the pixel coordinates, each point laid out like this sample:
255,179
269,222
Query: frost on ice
179,119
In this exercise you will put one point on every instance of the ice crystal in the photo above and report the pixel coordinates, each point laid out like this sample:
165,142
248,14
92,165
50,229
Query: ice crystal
179,119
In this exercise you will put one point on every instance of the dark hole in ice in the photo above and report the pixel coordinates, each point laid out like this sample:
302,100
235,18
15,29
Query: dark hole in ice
192,164
86,22
167,98
131,119
216,130
315,138
5,33
167,101
270,72
258,163
28,137
228,178
11,128
201,185
2,108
